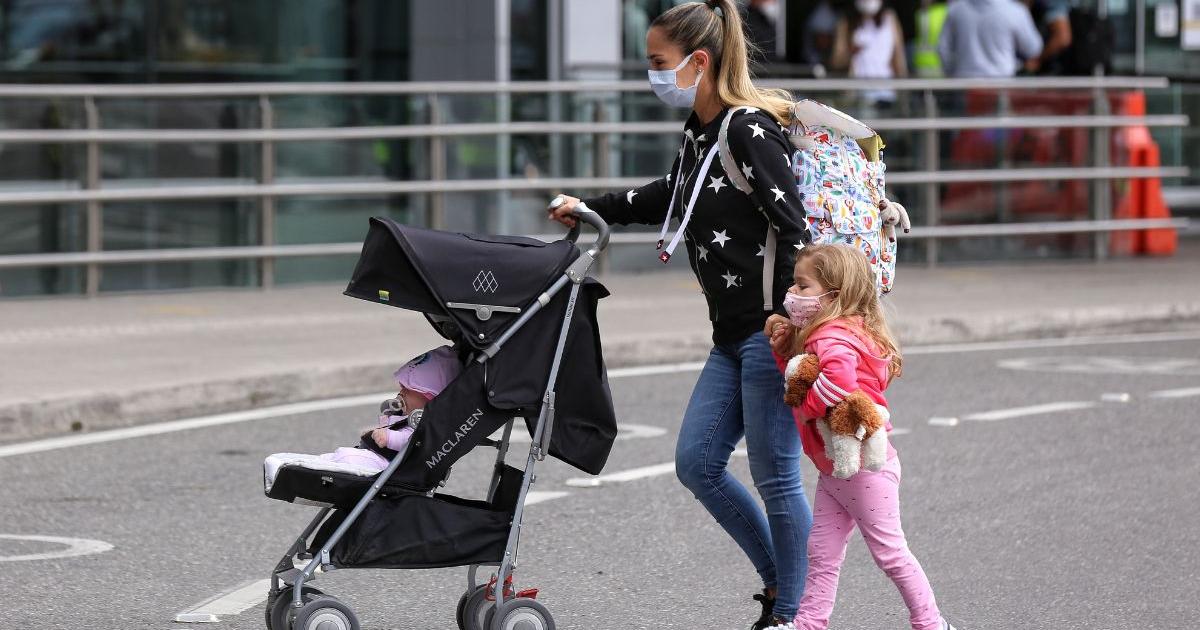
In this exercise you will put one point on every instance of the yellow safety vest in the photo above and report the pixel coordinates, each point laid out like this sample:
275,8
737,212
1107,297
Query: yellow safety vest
929,28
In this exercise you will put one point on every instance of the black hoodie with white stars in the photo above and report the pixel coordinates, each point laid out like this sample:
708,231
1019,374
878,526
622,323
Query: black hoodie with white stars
728,236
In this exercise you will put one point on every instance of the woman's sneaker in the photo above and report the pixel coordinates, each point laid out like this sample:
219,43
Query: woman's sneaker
768,607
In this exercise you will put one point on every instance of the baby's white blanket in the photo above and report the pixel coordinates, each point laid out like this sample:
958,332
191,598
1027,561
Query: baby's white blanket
274,462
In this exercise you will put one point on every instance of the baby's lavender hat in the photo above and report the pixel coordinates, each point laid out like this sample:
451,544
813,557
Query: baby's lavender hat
429,373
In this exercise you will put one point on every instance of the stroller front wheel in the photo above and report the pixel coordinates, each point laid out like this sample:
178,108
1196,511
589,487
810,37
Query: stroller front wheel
280,605
325,612
521,613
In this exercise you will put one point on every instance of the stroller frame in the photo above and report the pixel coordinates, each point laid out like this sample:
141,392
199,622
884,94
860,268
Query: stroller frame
285,571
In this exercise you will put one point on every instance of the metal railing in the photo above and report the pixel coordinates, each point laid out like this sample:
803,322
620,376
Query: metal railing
94,193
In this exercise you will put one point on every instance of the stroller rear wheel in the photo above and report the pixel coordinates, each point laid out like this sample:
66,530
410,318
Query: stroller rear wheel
325,612
462,605
280,605
521,613
475,609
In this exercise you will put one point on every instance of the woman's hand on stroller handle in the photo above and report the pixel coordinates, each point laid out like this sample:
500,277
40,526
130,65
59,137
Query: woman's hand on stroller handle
570,211
562,209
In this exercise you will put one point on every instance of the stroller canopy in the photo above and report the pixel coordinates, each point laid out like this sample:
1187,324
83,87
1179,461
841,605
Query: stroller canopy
438,273
482,283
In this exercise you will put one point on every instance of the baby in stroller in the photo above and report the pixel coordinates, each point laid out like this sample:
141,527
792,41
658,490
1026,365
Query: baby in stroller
420,380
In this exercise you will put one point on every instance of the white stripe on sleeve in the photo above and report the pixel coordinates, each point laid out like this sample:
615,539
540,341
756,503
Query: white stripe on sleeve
833,388
825,397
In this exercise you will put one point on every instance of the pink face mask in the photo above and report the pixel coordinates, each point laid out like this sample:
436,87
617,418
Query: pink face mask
802,308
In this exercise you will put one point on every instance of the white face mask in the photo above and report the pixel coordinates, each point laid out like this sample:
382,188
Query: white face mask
665,88
868,7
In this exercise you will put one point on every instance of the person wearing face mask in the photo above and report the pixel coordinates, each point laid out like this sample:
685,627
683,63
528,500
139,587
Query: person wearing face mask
870,45
834,313
740,246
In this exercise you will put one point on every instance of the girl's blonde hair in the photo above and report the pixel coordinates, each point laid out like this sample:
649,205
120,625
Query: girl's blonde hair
845,269
716,26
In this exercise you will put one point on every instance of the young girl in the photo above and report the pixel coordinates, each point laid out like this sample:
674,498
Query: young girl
834,313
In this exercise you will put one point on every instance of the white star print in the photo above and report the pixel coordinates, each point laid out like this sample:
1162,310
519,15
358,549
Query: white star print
749,110
778,194
669,178
703,255
700,138
719,238
762,250
630,195
758,131
748,171
730,280
717,184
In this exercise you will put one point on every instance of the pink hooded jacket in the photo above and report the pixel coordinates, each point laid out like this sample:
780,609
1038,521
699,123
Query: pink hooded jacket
850,360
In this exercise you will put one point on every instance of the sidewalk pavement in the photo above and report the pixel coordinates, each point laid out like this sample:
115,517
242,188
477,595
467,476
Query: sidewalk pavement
74,364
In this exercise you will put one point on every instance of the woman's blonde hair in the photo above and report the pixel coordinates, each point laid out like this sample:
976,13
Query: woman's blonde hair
845,269
716,26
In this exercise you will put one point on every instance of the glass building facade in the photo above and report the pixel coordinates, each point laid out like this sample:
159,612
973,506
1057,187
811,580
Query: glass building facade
228,41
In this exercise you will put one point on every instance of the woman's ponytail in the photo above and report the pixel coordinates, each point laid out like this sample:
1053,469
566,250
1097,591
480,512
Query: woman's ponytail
716,26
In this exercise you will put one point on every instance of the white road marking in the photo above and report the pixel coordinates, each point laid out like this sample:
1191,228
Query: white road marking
229,603
649,370
943,421
627,431
72,441
1176,393
1117,397
1031,410
1018,344
541,496
623,476
75,547
1103,365
329,404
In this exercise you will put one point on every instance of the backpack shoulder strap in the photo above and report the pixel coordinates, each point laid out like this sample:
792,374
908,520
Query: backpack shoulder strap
730,165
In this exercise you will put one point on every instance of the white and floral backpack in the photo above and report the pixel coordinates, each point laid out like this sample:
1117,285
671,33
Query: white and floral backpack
839,169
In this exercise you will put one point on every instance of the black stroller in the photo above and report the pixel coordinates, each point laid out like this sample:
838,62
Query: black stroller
522,314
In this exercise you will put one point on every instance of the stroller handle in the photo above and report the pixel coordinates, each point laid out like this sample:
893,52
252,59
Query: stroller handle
589,216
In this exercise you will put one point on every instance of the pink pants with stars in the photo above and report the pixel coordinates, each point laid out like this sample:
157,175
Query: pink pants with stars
870,500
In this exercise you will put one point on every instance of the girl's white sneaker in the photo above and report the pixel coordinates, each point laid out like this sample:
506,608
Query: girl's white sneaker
946,625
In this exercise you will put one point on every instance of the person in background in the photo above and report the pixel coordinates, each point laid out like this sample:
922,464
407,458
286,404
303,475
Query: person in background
930,18
1052,18
870,43
762,16
987,39
819,33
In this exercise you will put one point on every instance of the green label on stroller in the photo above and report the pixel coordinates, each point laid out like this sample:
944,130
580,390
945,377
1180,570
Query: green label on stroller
384,296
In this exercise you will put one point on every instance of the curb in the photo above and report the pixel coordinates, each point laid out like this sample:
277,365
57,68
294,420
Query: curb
111,410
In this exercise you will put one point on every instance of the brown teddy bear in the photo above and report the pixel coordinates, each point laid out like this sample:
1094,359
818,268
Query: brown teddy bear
847,425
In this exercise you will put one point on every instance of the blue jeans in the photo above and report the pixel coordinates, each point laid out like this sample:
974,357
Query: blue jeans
740,392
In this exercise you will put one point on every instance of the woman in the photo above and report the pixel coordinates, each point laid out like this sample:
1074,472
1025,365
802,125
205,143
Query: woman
870,43
698,57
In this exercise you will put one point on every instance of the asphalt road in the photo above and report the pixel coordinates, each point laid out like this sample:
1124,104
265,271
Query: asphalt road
1085,517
